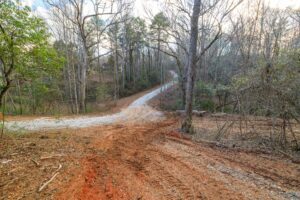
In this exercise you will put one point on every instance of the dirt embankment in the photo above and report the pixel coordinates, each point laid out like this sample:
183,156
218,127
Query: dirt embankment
140,161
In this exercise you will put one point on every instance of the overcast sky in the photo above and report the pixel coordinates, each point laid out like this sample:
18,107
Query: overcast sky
274,3
39,8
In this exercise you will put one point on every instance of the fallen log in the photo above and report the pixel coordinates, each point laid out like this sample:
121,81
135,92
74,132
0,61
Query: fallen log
294,160
50,157
195,112
219,115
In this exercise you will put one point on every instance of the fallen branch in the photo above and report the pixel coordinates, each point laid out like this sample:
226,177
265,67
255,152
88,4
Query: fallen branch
219,115
50,157
8,182
51,179
59,167
5,161
290,157
35,162
224,129
199,113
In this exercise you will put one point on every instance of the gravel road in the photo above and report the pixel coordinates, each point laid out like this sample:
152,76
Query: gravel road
136,111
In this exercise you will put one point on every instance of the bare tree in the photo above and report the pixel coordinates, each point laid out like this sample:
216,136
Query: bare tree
87,39
191,67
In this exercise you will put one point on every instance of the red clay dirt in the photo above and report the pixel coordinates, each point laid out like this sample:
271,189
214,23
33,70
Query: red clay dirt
145,161
150,161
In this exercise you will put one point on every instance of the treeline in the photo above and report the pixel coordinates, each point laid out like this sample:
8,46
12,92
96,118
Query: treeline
97,55
232,56
240,57
246,50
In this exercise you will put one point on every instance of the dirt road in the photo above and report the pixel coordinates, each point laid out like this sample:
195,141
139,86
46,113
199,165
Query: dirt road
151,161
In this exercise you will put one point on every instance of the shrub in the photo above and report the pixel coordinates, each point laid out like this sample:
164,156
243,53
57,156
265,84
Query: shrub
102,93
204,89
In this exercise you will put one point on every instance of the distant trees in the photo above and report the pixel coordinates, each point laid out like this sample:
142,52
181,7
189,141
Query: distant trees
159,26
87,29
244,59
25,54
133,43
109,36
185,30
103,52
266,82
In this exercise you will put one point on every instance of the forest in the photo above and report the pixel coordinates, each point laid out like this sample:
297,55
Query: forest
169,92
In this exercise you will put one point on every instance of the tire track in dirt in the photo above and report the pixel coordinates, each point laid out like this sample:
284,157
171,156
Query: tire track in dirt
140,161
229,180
230,167
240,159
199,184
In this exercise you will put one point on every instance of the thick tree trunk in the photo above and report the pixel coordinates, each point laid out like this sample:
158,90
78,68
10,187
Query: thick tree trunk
191,68
74,81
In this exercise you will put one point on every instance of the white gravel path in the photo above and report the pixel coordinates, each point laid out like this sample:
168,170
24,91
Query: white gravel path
136,111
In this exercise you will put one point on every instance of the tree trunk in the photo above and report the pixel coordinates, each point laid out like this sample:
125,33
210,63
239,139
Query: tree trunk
149,63
116,71
191,68
75,77
82,88
20,97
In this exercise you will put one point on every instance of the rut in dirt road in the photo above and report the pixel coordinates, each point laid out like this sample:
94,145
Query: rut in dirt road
150,161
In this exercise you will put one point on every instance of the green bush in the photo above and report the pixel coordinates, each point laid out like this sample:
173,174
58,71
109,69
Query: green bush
142,84
204,89
204,94
102,93
204,104
154,78
222,90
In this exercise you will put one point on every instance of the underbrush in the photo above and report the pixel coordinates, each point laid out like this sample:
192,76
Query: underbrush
233,130
206,97
254,134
